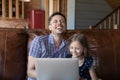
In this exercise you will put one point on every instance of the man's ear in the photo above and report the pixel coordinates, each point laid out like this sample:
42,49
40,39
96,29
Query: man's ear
49,27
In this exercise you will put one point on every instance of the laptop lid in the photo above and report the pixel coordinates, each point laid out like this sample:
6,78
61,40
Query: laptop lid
57,68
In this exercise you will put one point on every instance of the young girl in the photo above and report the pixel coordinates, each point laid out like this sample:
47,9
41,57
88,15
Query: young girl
78,48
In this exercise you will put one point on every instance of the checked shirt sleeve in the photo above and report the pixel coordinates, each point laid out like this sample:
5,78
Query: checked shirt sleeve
35,48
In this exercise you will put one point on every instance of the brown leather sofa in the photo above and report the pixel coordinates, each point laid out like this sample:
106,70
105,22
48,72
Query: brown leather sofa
13,54
103,46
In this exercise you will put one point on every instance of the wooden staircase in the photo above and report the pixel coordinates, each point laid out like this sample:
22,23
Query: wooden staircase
113,3
111,21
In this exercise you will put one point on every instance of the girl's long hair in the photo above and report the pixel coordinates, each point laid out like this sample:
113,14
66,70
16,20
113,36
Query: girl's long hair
80,37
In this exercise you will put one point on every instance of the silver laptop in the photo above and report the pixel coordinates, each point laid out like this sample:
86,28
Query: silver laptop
57,69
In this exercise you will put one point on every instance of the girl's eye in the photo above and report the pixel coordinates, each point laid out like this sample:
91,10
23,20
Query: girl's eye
71,47
77,48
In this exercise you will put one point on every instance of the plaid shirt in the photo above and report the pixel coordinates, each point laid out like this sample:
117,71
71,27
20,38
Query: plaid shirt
44,47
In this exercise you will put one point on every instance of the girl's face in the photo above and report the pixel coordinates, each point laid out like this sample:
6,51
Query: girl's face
76,49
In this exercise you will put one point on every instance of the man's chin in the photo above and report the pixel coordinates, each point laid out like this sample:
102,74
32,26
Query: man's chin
60,32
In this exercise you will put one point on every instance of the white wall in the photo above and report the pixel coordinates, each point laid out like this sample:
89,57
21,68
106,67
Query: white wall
83,13
71,14
90,12
42,4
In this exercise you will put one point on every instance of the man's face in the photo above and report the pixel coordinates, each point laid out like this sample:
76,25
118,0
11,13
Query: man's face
57,24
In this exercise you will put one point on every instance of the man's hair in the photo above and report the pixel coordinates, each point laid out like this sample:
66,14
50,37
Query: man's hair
57,13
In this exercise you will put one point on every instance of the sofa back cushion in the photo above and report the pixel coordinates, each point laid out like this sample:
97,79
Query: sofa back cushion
13,54
103,46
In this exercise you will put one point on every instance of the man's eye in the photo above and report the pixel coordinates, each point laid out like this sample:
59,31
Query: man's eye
54,21
62,21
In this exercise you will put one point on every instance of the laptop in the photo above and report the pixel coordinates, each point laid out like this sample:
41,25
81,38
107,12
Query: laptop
57,69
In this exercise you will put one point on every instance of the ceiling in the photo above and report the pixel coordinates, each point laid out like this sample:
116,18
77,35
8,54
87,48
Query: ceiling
114,3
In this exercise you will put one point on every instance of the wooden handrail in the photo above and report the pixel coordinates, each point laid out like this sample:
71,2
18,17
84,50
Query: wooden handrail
11,9
109,17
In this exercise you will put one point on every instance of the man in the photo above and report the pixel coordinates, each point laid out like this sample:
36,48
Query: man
50,46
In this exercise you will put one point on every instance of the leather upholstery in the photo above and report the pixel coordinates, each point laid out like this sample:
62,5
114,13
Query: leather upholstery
103,46
13,54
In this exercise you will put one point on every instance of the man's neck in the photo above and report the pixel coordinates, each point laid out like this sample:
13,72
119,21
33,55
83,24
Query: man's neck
58,40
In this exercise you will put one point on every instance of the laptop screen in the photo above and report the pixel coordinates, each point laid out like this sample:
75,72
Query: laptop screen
57,68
